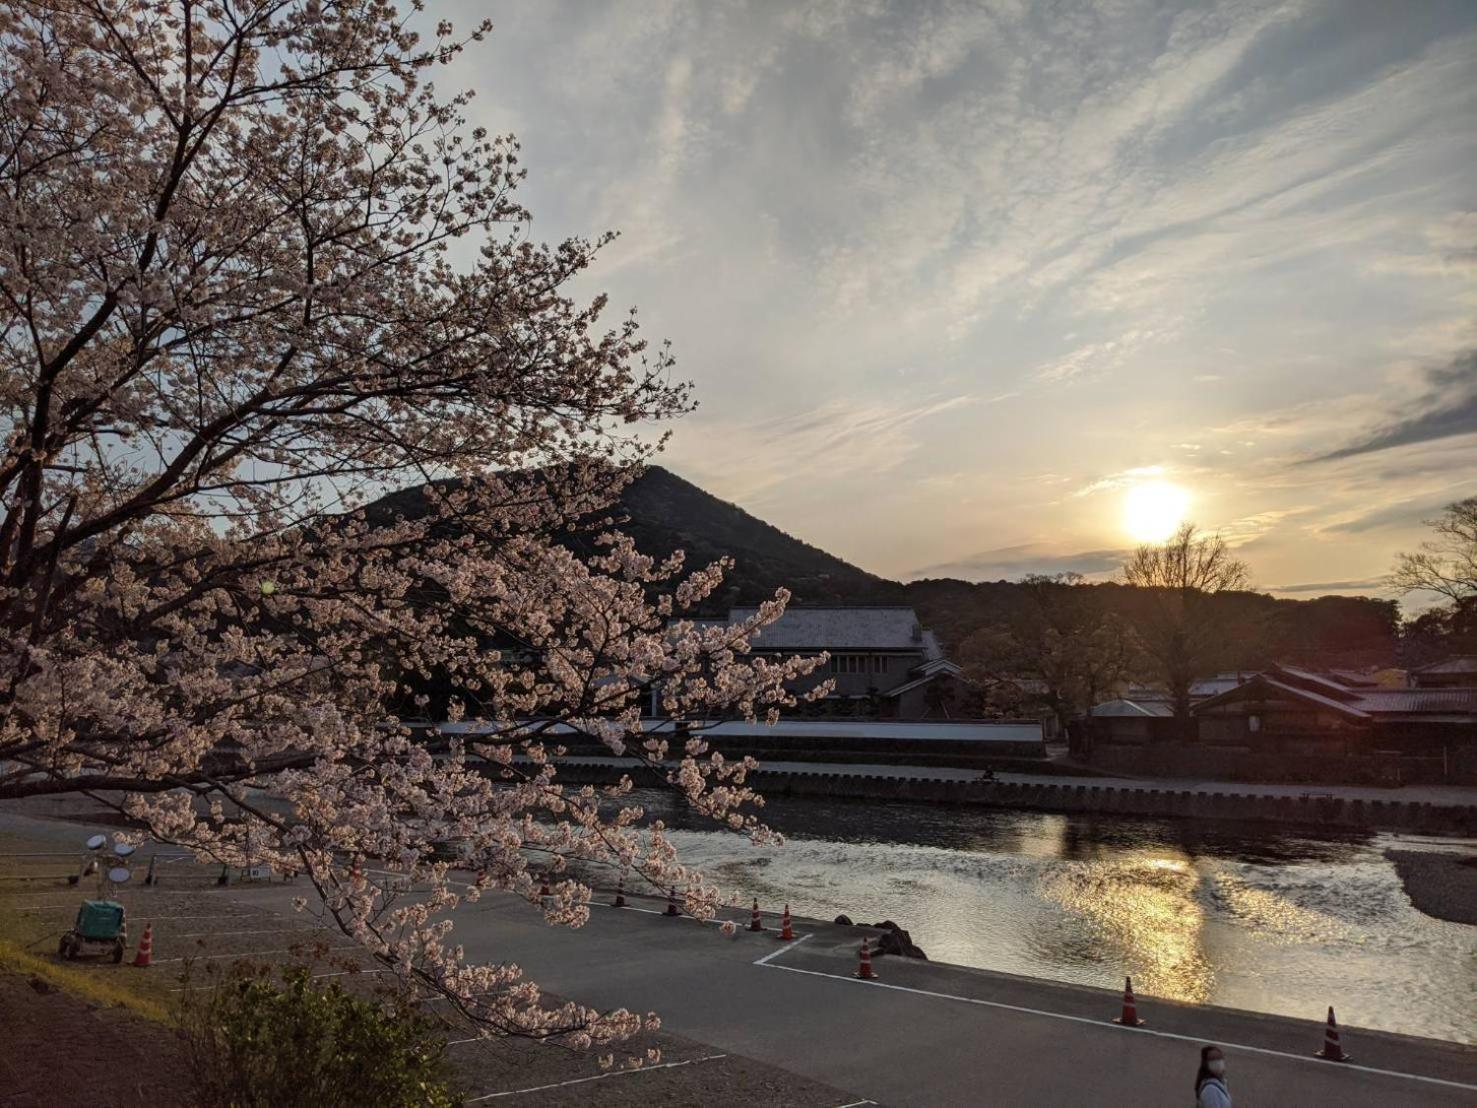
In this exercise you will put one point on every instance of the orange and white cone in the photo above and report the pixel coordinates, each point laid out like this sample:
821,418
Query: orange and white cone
787,932
1332,1051
1130,1016
620,891
755,923
864,967
671,903
145,956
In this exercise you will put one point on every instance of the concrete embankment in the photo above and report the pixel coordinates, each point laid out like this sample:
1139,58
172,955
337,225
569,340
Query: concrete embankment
1317,808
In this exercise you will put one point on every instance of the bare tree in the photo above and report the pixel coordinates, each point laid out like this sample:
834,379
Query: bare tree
1062,639
1175,619
1447,564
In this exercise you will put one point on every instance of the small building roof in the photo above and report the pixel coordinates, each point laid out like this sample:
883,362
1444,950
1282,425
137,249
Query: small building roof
1433,705
928,671
1155,709
1457,663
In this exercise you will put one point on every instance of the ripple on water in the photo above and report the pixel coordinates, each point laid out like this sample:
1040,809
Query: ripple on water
1256,918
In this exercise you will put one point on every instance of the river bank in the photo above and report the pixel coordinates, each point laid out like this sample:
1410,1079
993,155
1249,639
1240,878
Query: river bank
1451,811
1444,886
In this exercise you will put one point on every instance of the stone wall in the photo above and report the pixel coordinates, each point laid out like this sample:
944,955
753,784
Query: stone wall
1312,808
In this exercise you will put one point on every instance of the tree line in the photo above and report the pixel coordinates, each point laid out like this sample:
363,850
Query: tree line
1183,611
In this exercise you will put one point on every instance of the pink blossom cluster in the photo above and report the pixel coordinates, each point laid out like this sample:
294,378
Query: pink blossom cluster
254,272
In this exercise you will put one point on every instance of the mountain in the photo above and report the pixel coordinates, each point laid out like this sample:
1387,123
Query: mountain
667,513
663,513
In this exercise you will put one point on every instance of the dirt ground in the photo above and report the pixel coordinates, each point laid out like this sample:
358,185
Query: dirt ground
68,1040
59,1050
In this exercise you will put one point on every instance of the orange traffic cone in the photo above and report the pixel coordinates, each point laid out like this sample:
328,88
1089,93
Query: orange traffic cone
755,923
620,891
145,955
864,967
1332,1051
1130,1016
671,903
787,933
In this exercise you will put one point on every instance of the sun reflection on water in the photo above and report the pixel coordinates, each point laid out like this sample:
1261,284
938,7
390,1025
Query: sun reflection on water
1144,913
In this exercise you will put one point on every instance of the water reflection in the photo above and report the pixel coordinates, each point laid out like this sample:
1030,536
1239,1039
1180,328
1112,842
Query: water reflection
1251,916
1139,913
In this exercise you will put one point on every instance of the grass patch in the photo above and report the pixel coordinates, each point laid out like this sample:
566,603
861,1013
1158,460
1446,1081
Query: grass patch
28,947
79,982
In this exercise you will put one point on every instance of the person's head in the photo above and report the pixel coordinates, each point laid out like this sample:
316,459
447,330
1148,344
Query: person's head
1212,1064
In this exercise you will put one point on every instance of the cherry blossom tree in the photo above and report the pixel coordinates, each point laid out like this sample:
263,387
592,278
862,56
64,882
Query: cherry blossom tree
255,270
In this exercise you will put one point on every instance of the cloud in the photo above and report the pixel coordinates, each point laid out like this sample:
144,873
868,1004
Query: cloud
1170,230
1448,409
1120,480
1024,559
1406,513
747,459
1372,584
1248,529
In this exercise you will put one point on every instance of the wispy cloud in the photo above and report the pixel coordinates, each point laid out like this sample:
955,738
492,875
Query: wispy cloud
1018,561
749,459
1323,588
1449,408
1144,238
1121,480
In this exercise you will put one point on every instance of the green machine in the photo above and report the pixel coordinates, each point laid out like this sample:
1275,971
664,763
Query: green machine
99,923
101,926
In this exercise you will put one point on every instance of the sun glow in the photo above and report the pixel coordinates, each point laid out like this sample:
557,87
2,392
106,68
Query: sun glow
1153,510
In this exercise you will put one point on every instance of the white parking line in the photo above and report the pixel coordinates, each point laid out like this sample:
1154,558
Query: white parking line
681,915
237,954
596,1077
268,931
780,950
1105,1026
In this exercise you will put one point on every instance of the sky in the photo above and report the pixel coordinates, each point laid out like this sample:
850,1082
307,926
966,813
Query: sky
959,284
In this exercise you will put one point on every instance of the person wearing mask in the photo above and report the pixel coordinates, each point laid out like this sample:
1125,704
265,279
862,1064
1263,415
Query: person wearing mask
1210,1082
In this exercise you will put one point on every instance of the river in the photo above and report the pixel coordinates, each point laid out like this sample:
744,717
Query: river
1247,916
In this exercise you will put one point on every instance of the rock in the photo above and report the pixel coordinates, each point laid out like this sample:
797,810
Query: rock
844,920
42,987
886,925
894,940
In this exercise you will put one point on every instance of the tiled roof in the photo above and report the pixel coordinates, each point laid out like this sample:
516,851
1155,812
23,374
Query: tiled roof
1461,663
1157,709
1443,704
1210,686
1316,682
1419,701
932,650
841,629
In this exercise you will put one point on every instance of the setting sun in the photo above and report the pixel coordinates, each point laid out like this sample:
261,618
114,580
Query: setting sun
1153,510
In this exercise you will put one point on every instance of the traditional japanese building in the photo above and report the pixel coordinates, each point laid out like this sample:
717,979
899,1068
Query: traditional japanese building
1293,724
883,663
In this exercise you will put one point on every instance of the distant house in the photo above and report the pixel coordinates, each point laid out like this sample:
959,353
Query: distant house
1142,702
883,662
1459,671
1289,723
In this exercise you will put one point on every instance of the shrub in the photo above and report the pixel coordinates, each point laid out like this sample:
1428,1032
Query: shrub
256,1042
